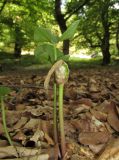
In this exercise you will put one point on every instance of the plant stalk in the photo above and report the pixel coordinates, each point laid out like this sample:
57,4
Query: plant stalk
4,121
61,120
55,120
55,114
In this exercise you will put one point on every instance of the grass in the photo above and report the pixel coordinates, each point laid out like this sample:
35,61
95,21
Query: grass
29,62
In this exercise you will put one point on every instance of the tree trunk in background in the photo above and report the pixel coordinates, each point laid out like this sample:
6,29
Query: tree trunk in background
3,6
17,50
62,24
18,45
105,44
117,38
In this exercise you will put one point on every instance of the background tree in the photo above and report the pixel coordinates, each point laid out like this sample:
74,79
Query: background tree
96,24
70,8
20,19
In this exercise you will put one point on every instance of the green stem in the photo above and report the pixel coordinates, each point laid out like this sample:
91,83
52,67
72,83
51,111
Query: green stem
55,114
4,121
55,53
61,120
55,119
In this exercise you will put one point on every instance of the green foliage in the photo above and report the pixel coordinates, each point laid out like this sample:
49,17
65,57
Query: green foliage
4,91
69,33
45,52
42,34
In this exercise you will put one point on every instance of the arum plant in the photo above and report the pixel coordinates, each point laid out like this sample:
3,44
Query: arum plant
47,50
3,92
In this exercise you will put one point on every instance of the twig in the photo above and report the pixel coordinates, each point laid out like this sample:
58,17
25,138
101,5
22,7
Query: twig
24,86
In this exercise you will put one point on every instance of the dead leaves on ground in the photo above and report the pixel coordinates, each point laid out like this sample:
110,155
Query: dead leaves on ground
91,102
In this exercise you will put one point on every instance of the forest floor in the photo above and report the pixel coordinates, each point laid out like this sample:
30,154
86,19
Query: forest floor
91,115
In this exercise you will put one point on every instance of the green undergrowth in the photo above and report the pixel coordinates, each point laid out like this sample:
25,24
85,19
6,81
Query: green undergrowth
29,62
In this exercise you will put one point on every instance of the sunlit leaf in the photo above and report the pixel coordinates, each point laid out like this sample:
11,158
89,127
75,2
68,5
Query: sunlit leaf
45,52
42,34
69,33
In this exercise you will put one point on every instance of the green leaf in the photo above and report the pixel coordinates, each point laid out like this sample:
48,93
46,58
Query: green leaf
4,91
42,34
45,52
69,33
65,58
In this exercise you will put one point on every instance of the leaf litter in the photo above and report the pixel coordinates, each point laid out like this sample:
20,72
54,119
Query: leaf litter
91,113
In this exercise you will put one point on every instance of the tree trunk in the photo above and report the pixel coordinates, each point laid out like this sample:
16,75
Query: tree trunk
106,56
117,38
106,46
17,50
62,24
18,45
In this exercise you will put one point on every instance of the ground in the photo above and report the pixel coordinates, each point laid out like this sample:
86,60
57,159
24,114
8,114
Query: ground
91,102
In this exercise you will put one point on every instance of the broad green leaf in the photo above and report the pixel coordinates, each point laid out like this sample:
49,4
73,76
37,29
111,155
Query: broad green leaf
69,33
4,91
42,34
45,52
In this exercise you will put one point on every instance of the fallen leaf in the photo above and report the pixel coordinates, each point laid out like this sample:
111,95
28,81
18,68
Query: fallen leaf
92,85
1,128
93,138
20,136
99,115
97,148
113,119
22,121
111,151
49,139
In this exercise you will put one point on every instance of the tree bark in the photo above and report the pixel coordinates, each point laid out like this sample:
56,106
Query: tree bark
62,24
105,44
18,45
3,6
17,50
117,38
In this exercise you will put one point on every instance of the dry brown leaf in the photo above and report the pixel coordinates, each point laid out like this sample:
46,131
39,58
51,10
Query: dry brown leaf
97,125
113,119
49,139
20,136
13,117
32,124
86,101
97,148
70,93
81,108
38,135
36,157
20,107
104,107
3,143
111,152
13,151
93,138
69,129
82,125
1,128
99,115
22,121
109,128
92,86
